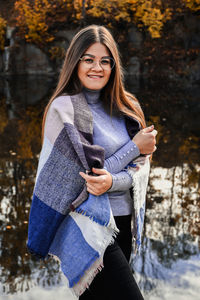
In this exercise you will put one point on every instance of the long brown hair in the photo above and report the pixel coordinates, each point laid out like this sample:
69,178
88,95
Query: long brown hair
114,91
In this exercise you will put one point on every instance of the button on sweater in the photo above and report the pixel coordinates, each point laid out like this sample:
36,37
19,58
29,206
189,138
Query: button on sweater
110,133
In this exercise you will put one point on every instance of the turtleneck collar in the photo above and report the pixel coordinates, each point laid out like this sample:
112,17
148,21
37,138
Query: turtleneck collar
92,96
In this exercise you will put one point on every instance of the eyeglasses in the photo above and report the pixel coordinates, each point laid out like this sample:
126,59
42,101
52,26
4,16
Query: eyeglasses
106,63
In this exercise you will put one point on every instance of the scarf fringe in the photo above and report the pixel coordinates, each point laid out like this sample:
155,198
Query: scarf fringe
75,280
93,218
94,269
83,281
88,277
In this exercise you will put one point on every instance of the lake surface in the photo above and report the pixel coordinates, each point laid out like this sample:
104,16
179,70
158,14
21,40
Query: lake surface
169,264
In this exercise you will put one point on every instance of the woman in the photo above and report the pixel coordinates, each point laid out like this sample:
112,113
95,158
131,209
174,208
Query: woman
92,132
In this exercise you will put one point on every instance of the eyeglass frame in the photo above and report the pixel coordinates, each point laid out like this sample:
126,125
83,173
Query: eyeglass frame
92,56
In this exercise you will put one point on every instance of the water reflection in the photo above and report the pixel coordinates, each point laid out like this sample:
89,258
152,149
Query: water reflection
171,248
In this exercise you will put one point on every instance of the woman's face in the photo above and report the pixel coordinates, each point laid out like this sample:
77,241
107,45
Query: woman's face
93,69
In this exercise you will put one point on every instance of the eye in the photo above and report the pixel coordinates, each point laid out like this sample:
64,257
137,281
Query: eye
88,60
105,62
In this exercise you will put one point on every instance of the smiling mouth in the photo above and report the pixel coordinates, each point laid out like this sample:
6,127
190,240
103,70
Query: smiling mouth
94,76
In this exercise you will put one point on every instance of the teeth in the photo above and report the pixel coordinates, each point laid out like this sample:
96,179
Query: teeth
94,76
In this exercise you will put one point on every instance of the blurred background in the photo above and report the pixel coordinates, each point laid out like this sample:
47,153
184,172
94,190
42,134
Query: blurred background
159,42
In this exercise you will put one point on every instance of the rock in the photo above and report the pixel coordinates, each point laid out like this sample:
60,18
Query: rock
135,37
23,90
28,59
194,72
133,78
30,89
188,32
66,34
134,66
179,30
1,63
133,84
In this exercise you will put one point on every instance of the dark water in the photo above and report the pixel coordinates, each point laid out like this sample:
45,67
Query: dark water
169,265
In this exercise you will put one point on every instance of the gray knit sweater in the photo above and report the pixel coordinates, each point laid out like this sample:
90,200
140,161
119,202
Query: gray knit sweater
111,134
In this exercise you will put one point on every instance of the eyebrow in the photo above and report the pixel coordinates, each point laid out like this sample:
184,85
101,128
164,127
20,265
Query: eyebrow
93,56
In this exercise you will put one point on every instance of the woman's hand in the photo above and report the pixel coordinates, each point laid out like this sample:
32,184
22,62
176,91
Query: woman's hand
97,185
145,140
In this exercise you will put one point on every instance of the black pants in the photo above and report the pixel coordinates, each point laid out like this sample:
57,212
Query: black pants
116,281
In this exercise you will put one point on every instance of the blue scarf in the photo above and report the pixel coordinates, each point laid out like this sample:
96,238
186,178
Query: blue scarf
65,221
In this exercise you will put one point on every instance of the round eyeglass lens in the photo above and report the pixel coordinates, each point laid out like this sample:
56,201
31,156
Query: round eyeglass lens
107,63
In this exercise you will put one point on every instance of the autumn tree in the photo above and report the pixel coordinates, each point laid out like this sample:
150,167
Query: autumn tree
2,32
37,20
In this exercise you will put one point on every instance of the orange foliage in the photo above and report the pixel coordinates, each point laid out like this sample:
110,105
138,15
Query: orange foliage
2,32
148,13
37,18
32,20
191,143
29,130
194,5
112,9
57,52
152,15
3,115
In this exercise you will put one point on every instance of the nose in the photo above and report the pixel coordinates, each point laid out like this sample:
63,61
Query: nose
97,66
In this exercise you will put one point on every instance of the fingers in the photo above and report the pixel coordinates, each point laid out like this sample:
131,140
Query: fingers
89,178
83,175
154,132
148,129
91,190
94,179
151,130
97,185
99,171
97,188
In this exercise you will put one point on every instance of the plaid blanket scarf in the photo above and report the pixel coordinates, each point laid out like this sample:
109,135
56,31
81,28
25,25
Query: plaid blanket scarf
65,221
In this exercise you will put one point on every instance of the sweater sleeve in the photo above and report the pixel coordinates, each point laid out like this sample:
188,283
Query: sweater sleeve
121,158
121,181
